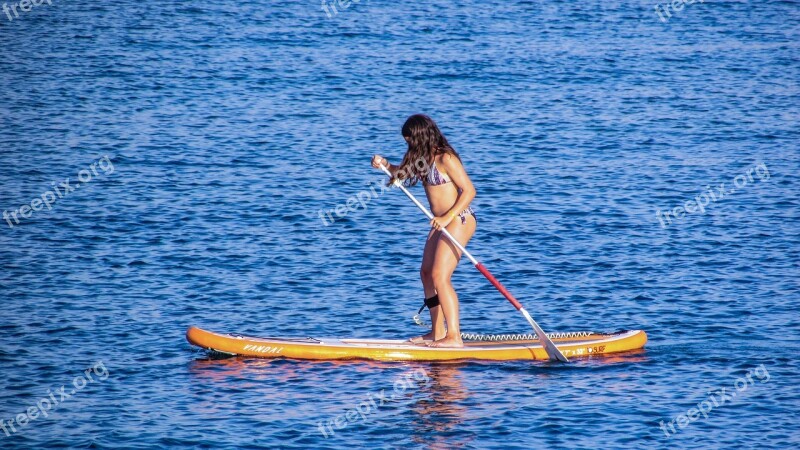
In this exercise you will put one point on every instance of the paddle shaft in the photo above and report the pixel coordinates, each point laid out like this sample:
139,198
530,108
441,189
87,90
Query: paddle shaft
547,344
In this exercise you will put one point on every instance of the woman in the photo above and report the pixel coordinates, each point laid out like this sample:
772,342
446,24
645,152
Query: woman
432,160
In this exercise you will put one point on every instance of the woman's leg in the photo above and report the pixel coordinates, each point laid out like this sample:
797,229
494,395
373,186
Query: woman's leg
444,264
426,274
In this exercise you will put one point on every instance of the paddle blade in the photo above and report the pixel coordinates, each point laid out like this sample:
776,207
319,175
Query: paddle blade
552,351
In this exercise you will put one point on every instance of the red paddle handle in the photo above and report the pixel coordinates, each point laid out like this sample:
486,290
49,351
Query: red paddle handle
499,286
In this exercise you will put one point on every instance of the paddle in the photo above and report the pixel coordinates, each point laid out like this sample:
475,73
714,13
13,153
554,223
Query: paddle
552,351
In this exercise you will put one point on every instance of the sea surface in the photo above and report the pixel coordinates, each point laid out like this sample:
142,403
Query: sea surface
170,164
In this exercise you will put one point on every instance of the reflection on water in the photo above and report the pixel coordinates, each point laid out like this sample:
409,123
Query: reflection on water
441,409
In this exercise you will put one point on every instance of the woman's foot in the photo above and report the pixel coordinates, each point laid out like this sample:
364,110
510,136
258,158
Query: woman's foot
448,342
421,339
430,336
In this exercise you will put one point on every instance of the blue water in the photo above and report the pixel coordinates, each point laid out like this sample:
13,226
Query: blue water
219,131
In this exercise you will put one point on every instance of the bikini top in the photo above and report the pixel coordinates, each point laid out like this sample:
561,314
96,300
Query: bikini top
435,178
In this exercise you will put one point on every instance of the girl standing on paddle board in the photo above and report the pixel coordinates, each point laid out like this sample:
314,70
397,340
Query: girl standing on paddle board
450,192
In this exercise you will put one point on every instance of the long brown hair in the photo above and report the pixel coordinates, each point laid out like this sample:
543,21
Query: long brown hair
425,142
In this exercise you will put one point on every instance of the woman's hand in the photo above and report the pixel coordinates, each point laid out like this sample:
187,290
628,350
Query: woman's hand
378,161
442,221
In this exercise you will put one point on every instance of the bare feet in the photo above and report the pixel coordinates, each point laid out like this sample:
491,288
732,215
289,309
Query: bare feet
421,339
428,337
448,342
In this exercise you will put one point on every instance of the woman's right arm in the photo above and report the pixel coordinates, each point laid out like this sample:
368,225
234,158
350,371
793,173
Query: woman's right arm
378,160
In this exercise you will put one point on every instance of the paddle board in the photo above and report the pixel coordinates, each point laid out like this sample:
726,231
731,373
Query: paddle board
572,345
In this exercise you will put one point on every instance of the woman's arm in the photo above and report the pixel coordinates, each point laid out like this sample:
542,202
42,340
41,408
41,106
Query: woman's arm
378,160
